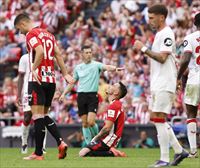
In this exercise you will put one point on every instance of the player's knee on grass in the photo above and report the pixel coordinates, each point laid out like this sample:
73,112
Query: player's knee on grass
27,117
84,152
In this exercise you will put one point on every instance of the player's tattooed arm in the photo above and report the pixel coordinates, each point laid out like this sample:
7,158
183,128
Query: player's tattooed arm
184,64
104,131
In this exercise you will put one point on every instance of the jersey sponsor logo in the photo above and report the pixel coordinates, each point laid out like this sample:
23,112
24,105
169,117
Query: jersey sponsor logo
168,42
33,41
185,43
46,73
111,113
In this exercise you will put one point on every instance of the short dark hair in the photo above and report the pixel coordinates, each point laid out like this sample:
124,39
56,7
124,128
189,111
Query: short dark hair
158,9
86,47
21,16
197,20
123,90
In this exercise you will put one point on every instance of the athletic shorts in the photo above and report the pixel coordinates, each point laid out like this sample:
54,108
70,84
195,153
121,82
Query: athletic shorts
41,94
192,94
25,103
161,101
87,102
98,146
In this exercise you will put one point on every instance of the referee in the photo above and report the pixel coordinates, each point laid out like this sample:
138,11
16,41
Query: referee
87,75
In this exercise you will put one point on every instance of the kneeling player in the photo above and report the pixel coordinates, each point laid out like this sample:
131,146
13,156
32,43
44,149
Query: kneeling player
104,142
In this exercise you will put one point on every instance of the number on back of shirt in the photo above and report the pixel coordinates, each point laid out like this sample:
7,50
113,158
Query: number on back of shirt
48,49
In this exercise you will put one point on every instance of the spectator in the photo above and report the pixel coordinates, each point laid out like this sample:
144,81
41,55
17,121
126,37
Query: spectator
4,50
76,139
144,141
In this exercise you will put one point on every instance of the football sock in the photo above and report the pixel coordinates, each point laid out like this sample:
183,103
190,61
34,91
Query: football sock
191,133
39,135
173,140
100,154
87,135
163,140
25,133
52,128
94,130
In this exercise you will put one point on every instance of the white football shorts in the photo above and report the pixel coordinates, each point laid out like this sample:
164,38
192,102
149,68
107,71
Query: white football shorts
192,94
161,101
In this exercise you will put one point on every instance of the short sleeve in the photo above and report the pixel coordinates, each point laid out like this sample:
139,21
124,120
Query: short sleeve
187,45
99,65
112,112
167,42
22,65
75,74
32,40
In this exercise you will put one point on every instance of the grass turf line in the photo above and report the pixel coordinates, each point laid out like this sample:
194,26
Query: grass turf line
137,158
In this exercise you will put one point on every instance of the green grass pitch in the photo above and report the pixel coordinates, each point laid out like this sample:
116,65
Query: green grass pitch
137,158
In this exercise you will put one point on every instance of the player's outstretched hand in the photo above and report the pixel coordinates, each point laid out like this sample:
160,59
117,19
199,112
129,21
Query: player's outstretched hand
69,79
138,45
36,77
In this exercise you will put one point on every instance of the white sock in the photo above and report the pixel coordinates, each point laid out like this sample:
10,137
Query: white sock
173,140
25,133
163,140
191,133
45,139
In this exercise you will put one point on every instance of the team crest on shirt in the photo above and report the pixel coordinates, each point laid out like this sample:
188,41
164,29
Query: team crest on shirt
33,41
111,113
168,42
185,43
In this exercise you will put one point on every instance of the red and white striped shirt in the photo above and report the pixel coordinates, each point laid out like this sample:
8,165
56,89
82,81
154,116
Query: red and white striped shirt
45,70
116,115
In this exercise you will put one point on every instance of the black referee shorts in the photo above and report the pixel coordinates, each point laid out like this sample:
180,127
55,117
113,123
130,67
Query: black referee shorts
87,102
41,94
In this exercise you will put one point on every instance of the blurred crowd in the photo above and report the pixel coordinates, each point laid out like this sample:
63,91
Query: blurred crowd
111,36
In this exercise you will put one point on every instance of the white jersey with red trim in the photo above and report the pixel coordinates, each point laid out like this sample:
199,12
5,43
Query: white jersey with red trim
24,68
116,115
34,38
192,45
163,76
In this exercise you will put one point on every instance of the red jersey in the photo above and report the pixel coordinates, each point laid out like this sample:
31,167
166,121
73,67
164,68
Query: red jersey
45,70
116,115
